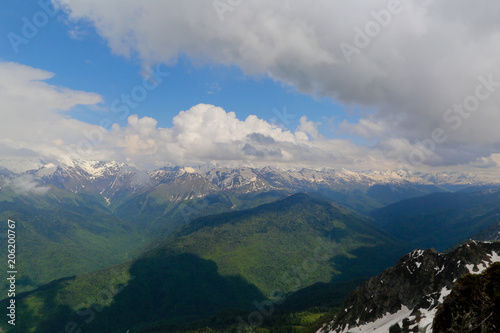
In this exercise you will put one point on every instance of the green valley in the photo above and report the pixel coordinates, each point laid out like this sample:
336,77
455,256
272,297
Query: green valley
216,263
61,234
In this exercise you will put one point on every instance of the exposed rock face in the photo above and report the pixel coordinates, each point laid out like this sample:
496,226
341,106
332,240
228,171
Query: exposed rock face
405,297
473,305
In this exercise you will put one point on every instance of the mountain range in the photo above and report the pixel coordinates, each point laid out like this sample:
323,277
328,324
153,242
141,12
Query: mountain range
111,247
115,182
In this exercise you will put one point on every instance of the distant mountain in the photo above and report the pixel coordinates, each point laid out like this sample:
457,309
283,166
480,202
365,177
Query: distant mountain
406,297
441,220
230,260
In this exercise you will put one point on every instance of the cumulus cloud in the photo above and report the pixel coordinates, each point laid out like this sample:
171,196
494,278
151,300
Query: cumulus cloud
309,127
202,133
206,132
425,58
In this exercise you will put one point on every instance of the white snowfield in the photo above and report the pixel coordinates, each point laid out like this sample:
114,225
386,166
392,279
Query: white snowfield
382,325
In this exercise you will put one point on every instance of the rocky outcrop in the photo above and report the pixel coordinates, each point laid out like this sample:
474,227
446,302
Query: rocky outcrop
405,297
473,305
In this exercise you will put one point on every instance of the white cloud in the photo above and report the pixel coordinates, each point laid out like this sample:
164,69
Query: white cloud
206,132
202,133
26,184
35,110
426,59
367,128
309,127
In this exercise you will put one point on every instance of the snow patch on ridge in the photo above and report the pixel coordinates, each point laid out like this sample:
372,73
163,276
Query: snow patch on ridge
443,293
479,268
381,325
494,257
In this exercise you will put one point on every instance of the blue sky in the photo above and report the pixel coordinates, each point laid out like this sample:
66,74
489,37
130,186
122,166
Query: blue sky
87,63
359,92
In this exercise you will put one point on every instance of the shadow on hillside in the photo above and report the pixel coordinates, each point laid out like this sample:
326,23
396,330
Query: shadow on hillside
52,313
167,289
